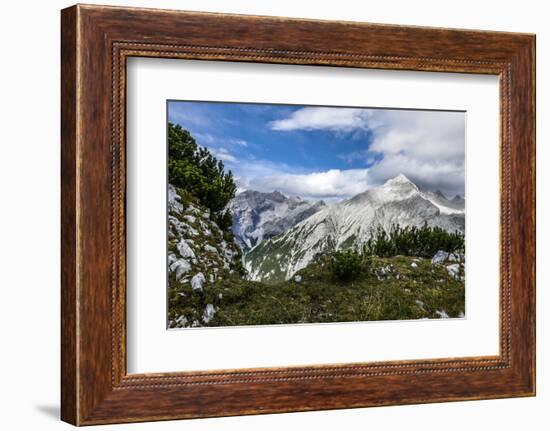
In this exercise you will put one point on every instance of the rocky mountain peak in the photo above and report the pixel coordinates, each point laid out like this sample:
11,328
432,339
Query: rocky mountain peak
276,195
400,183
400,179
440,194
395,189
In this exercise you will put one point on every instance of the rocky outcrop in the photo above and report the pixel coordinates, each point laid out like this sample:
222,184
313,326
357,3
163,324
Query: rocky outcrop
198,251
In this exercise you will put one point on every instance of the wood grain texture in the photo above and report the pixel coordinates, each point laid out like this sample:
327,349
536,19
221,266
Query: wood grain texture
69,397
96,41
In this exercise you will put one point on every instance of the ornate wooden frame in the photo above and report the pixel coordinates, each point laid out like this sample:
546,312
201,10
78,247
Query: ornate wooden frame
95,43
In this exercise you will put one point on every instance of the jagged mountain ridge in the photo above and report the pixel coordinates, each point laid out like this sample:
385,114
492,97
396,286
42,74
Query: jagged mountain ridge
350,223
259,216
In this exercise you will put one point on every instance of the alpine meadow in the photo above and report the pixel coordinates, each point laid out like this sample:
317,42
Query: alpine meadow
291,214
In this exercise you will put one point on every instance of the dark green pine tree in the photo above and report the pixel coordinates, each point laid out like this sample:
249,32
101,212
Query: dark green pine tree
422,241
195,170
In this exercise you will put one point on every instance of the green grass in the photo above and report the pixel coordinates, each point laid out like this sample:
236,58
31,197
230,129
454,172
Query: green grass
405,292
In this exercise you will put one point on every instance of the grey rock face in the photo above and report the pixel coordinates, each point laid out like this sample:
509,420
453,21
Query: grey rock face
179,266
195,241
259,216
442,256
454,270
208,314
198,281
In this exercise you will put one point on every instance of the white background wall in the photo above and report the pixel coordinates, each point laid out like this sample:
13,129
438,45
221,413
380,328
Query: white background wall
29,216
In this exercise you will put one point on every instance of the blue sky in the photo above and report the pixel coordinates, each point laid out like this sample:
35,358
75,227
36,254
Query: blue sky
327,152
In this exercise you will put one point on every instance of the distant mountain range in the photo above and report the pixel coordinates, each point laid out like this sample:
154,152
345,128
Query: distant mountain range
260,216
281,235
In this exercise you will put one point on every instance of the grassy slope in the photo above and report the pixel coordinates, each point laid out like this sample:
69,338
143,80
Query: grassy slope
407,292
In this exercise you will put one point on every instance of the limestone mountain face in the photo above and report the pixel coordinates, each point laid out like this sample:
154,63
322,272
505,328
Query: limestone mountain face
260,216
350,223
198,252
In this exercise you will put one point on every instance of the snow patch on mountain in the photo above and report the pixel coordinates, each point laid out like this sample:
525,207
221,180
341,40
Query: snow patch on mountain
445,206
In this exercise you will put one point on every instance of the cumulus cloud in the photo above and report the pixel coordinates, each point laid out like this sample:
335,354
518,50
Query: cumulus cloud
223,154
314,118
448,176
221,148
334,184
426,146
364,155
438,135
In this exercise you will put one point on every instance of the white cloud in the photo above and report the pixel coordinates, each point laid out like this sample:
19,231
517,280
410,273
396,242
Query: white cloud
313,118
331,184
204,139
446,176
248,170
223,154
424,134
218,146
426,146
358,155
240,142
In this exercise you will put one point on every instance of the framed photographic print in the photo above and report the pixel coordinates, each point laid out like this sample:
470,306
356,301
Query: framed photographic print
267,215
297,231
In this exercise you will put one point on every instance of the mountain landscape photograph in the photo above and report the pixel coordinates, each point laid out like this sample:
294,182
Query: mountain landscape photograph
291,214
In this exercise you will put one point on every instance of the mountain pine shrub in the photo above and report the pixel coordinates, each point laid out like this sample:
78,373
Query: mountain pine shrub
422,241
196,170
347,265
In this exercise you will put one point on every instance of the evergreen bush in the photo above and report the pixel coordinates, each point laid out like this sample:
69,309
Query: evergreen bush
422,241
196,170
347,265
